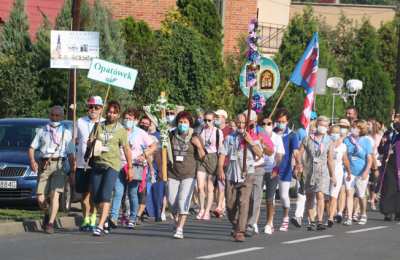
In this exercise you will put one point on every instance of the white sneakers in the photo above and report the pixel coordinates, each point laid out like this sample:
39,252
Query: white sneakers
179,233
268,229
255,229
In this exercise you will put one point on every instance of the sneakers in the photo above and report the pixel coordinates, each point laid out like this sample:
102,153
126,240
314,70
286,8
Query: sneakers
249,231
178,234
85,227
163,216
268,229
347,222
285,225
320,227
338,218
131,224
49,228
98,232
363,220
296,221
255,229
356,218
107,228
311,226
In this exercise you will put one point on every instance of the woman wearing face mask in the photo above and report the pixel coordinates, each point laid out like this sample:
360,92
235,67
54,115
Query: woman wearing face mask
344,125
319,155
340,159
141,146
359,151
212,139
182,169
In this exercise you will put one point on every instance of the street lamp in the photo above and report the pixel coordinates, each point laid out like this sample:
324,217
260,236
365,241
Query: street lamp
353,87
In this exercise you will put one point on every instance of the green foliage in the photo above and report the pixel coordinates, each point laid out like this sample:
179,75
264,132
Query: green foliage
18,84
14,38
366,65
387,50
296,38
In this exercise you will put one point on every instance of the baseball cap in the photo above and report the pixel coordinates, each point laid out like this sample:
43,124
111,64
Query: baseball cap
95,100
253,115
221,112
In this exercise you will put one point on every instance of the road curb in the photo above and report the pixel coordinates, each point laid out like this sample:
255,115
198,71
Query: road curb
30,225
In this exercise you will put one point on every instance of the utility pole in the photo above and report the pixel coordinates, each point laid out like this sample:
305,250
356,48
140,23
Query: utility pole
76,9
397,103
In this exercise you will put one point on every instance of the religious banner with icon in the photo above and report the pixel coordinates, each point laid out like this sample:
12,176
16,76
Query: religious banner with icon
268,78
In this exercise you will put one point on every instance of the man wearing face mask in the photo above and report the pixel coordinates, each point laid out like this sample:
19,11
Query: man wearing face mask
291,144
238,181
141,146
84,127
55,144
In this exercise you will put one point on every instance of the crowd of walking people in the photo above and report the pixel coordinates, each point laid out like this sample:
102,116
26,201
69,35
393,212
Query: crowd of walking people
218,167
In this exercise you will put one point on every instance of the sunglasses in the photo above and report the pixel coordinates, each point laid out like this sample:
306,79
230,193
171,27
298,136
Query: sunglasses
207,120
267,123
94,107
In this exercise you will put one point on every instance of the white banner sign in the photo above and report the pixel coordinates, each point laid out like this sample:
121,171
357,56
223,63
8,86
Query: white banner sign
113,74
73,49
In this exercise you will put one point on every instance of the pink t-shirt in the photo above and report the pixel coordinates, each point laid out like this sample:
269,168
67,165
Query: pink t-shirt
138,140
209,137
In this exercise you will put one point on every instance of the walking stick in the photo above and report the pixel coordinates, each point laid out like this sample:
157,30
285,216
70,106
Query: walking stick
279,99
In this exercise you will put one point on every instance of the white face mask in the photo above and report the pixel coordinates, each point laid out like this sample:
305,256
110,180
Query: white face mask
322,130
355,132
344,131
268,129
335,136
55,124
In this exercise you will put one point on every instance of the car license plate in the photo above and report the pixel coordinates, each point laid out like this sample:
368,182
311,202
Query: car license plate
8,185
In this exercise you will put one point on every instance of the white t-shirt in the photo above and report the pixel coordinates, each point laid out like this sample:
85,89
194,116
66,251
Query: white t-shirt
338,153
279,148
84,126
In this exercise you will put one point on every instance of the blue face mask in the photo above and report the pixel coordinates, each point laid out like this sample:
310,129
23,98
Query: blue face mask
129,123
281,126
217,123
183,128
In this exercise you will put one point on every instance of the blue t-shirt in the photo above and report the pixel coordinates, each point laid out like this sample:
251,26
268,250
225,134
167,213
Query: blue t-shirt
358,155
291,143
301,134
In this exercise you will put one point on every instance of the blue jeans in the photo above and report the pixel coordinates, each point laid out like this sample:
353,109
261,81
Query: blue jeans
132,188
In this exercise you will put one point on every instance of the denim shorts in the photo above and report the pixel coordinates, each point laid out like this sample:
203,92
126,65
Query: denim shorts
103,181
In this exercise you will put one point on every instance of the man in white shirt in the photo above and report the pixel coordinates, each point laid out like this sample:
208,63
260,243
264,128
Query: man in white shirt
85,126
54,142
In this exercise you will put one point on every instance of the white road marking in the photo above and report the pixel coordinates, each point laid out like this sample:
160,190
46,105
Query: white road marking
366,229
305,239
230,253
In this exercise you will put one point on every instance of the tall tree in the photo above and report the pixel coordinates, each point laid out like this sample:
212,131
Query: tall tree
18,84
295,40
366,65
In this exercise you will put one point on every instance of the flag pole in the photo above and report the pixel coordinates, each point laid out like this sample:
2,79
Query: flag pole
163,147
279,99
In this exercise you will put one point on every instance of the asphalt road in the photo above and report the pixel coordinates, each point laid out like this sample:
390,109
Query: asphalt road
377,240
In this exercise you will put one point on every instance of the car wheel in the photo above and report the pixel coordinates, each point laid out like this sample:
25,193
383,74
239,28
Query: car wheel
65,198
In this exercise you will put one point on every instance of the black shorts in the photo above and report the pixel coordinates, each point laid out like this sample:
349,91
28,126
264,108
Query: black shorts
102,184
82,180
